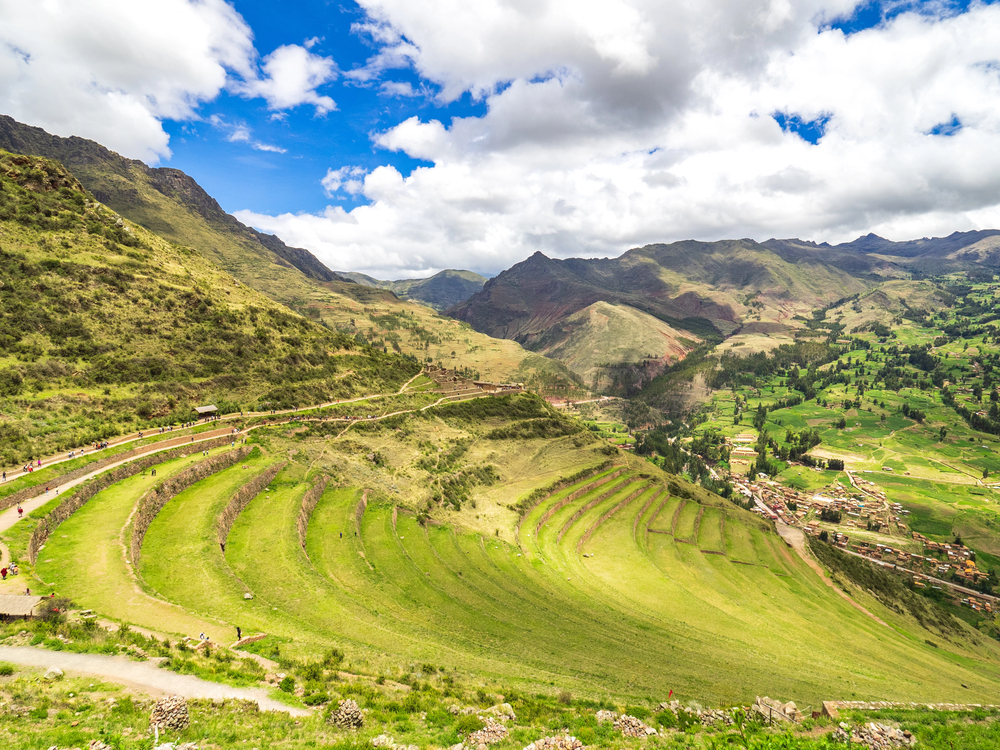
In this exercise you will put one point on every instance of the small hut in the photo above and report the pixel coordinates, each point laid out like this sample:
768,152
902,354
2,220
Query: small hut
13,606
205,411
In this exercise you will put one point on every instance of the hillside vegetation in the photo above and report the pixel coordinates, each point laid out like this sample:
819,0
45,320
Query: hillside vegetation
497,540
172,205
104,325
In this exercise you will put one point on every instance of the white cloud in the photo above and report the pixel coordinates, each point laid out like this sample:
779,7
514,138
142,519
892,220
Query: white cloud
291,76
614,124
113,70
347,179
241,133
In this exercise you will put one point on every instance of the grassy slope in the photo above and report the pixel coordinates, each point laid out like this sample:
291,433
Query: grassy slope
604,333
104,325
172,205
639,614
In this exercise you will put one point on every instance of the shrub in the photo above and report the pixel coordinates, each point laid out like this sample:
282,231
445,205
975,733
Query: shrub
6,670
468,724
287,685
666,719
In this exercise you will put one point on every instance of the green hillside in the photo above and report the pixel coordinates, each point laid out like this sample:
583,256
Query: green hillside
602,334
445,537
172,205
106,327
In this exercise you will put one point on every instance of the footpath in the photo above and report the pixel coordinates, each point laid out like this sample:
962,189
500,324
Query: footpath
146,676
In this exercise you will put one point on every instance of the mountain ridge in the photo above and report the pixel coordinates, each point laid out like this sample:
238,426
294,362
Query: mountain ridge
116,181
442,290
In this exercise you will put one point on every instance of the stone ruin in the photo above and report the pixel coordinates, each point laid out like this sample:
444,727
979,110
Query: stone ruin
348,715
170,713
492,733
875,736
556,743
774,710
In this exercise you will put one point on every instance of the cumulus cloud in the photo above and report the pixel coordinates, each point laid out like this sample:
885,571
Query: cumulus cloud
618,123
347,179
291,76
113,70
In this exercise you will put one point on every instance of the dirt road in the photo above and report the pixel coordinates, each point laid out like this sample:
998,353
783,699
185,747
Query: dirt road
140,675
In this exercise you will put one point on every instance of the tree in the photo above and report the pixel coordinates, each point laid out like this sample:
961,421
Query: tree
637,413
942,434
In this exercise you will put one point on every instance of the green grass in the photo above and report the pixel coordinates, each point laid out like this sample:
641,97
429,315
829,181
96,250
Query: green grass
582,596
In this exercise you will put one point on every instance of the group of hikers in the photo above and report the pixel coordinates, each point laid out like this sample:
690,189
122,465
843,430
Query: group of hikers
11,570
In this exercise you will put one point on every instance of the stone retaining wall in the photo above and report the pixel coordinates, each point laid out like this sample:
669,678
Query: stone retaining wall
152,502
242,497
309,502
77,498
575,495
832,708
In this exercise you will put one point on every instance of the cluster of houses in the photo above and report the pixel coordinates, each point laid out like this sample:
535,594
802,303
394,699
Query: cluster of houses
863,505
859,506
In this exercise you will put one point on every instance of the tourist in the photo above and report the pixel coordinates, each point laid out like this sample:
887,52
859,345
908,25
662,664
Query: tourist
20,511
3,572
27,592
239,633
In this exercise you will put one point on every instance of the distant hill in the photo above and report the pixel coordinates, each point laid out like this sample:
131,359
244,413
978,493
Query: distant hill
440,291
172,204
706,290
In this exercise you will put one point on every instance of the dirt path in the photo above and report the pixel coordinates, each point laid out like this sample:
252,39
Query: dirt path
144,676
796,539
9,517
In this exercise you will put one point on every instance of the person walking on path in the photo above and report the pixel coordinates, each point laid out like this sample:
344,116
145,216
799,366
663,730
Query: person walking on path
239,633
20,511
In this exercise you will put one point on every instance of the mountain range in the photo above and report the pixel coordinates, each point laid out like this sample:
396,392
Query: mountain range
440,291
677,294
571,319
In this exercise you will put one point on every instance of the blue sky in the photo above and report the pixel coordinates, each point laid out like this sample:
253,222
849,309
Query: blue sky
240,177
473,133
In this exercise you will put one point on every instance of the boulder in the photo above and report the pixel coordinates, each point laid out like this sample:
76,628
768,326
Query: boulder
53,673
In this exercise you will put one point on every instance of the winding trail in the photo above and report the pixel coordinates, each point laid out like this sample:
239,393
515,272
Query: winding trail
796,539
142,675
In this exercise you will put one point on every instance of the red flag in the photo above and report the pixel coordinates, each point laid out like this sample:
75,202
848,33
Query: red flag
671,694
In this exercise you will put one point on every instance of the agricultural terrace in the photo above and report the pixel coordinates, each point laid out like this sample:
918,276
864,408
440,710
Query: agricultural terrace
499,541
896,386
